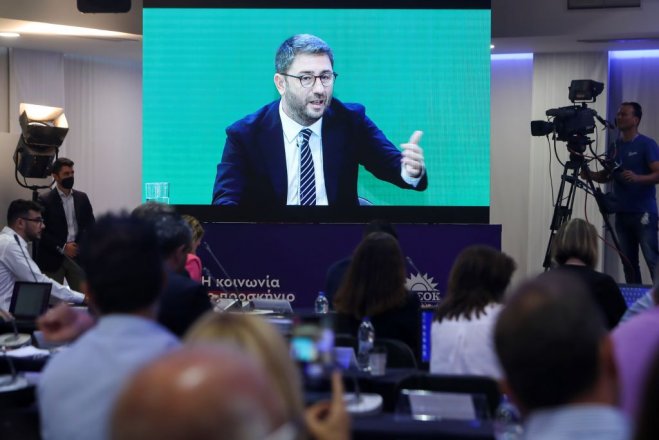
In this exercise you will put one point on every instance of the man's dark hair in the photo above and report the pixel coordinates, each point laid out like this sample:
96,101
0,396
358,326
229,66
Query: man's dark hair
300,44
20,208
122,261
171,229
548,340
61,162
638,110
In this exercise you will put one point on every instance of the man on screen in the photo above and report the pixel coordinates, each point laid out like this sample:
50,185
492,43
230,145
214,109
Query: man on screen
305,148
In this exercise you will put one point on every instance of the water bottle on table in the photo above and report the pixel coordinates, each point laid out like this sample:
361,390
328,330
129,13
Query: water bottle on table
321,305
507,421
365,339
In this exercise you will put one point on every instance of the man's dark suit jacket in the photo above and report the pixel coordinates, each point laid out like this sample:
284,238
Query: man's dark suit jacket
181,303
56,231
252,172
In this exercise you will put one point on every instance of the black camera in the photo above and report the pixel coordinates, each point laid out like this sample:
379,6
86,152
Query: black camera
573,123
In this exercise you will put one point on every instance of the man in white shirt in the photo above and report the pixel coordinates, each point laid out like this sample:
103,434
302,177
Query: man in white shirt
24,225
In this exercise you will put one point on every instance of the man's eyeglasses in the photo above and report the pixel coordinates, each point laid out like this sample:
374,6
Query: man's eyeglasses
326,79
36,220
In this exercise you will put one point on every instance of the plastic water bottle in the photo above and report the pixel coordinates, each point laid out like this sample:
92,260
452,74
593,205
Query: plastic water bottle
507,421
365,338
321,305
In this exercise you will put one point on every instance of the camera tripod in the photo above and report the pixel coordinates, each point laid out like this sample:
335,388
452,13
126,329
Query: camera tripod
563,206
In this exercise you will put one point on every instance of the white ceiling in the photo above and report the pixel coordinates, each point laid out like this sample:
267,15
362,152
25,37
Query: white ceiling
548,26
517,26
127,45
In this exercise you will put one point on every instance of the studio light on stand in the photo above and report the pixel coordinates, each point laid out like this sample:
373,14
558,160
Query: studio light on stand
43,130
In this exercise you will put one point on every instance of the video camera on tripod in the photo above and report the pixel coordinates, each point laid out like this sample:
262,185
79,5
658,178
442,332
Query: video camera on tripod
573,124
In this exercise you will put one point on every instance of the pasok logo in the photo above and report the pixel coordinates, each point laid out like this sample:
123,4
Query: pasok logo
424,286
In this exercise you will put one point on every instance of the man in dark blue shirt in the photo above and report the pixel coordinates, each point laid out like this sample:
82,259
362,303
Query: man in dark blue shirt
634,189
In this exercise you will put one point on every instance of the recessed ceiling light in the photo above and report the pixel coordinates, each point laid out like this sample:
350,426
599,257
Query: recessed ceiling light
491,46
9,34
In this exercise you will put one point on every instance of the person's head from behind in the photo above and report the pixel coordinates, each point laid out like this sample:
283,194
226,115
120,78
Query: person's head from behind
375,281
262,341
576,239
379,225
63,173
479,277
553,346
197,231
122,262
25,218
304,66
209,392
174,234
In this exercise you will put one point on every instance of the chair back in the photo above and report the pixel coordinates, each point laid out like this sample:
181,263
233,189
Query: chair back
399,354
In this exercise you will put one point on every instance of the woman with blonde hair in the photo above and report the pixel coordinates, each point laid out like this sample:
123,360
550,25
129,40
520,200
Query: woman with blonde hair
261,340
574,249
257,337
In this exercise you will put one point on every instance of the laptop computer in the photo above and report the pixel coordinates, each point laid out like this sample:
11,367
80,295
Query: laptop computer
29,301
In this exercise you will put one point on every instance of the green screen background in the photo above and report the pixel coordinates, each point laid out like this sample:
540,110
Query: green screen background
413,70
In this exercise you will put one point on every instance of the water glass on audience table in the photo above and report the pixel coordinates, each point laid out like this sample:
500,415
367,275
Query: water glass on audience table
377,361
157,192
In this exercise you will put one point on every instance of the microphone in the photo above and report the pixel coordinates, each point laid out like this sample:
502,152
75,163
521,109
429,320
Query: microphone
217,261
18,242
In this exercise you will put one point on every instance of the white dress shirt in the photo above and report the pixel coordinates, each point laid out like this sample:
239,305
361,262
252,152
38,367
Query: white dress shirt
70,214
16,264
291,130
461,346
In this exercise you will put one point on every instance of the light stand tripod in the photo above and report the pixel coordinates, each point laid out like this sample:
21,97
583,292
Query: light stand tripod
563,206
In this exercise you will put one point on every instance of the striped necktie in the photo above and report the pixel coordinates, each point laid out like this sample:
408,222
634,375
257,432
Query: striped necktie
307,174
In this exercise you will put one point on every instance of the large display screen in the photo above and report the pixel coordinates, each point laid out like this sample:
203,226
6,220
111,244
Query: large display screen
413,67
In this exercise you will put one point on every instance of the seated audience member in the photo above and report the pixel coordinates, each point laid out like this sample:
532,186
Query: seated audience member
462,332
183,300
209,392
375,287
634,343
24,225
557,360
574,248
337,271
262,341
193,262
647,423
78,387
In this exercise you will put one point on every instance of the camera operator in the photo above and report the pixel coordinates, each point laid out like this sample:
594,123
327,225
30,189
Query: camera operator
636,171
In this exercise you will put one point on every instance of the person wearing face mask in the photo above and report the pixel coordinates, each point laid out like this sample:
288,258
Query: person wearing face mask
305,148
67,215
